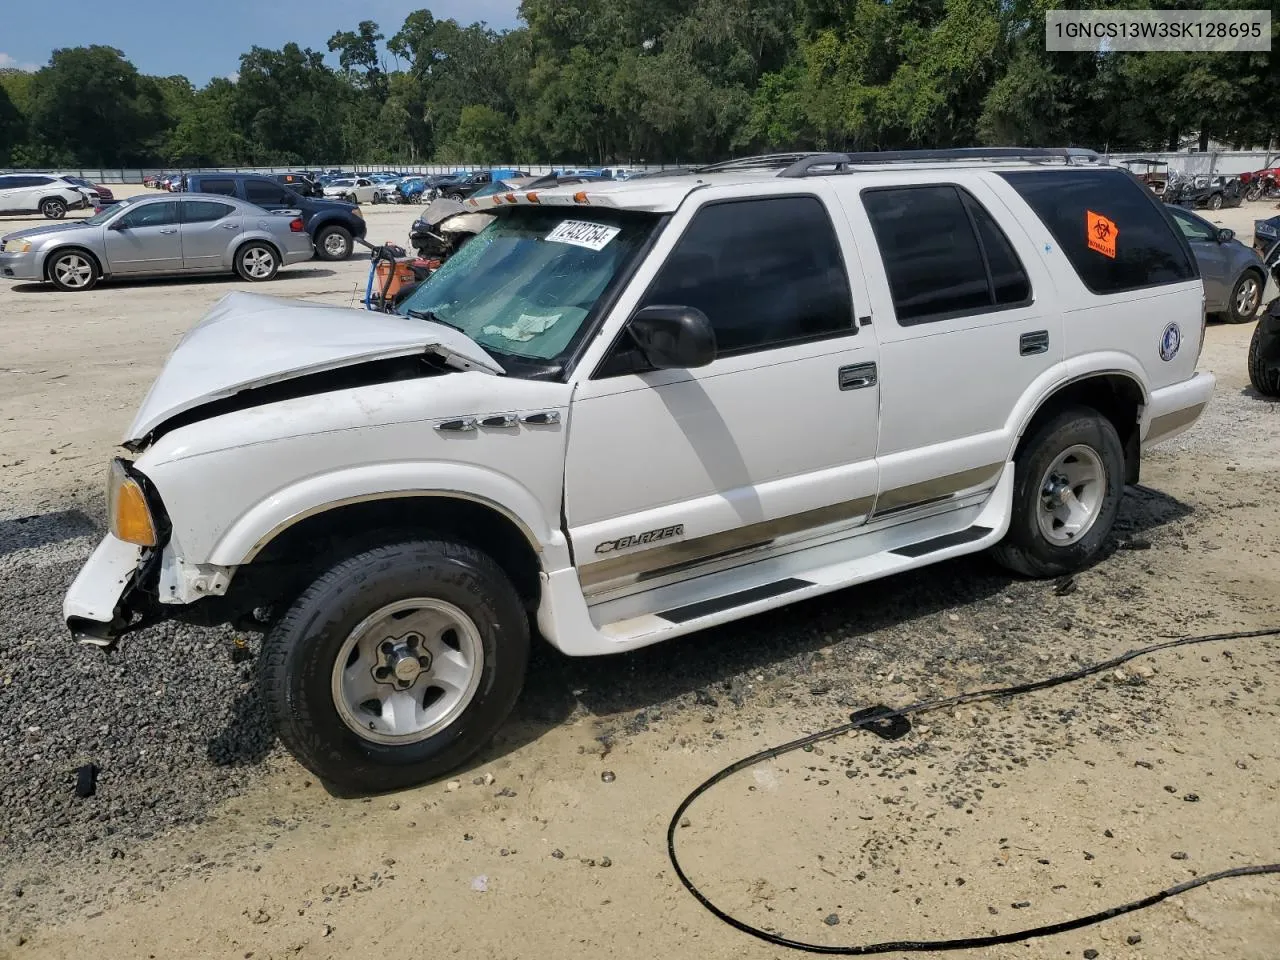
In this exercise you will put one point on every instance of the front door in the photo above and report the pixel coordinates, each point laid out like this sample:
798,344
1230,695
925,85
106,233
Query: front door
963,310
1210,255
774,441
208,227
145,239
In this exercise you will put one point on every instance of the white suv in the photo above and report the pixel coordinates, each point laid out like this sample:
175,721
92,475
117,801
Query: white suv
49,195
629,411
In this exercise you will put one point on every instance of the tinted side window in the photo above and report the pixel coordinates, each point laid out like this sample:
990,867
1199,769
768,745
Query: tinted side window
19,181
152,215
204,211
1193,228
262,192
937,266
39,181
1135,246
209,185
1009,282
765,272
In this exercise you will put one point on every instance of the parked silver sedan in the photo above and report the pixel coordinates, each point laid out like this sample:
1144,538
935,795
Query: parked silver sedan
151,236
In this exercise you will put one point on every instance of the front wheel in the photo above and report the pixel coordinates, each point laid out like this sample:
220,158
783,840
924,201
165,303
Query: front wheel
73,270
397,665
1215,202
1068,479
334,243
54,208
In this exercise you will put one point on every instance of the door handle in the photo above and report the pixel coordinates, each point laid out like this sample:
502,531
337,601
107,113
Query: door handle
1030,344
231,226
857,375
169,230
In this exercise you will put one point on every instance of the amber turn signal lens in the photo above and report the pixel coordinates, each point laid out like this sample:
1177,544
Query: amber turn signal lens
531,197
129,516
580,197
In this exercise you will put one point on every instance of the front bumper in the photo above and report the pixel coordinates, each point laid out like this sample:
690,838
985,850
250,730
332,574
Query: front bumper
1175,409
97,607
20,266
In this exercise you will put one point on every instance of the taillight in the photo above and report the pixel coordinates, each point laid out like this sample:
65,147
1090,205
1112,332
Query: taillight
297,226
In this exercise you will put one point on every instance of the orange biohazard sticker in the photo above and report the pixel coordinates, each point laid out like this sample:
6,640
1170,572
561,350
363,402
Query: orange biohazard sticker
1101,233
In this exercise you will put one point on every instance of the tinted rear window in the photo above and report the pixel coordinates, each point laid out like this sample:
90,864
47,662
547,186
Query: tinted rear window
1112,231
215,185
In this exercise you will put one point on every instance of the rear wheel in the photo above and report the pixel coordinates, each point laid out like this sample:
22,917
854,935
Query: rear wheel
397,665
1264,361
73,270
1215,202
257,261
53,208
1246,298
334,243
1068,480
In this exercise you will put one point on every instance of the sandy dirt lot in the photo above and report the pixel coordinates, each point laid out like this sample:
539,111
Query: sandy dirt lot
204,840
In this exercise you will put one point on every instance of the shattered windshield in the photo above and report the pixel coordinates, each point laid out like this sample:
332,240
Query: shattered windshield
524,286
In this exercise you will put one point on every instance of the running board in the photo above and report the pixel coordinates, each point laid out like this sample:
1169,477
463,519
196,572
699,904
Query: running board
636,620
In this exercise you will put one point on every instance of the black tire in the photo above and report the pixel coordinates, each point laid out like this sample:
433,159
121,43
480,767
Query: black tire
257,262
1025,549
1264,369
298,658
1253,191
334,242
1215,202
66,270
53,208
1234,314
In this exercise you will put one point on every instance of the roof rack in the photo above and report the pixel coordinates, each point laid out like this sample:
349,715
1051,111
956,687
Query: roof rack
840,162
752,163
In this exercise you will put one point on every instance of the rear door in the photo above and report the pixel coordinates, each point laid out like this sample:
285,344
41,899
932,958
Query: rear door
965,314
268,195
145,239
224,186
1210,255
207,228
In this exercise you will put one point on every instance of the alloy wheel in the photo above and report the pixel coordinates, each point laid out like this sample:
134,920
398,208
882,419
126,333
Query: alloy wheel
407,671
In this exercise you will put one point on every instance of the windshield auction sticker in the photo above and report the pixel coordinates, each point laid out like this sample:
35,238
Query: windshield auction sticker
1101,234
580,233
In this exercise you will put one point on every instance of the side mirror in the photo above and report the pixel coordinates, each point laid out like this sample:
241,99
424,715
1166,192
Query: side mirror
673,337
1225,235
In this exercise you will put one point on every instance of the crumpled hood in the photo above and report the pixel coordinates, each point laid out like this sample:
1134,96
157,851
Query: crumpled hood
249,340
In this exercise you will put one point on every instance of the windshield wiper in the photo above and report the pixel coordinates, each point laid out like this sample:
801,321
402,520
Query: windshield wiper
433,317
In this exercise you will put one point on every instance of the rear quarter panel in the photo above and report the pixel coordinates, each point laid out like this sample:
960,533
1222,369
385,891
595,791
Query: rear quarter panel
1119,331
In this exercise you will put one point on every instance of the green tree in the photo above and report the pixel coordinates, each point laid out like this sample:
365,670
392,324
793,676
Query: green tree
480,137
91,104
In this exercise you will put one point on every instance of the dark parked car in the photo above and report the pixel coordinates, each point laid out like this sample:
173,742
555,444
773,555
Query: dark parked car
302,184
105,196
1204,192
1234,276
334,225
467,184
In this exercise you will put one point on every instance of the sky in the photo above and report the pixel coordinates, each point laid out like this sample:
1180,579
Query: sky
205,40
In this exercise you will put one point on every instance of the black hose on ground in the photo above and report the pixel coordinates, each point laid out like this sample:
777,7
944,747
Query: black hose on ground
892,723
